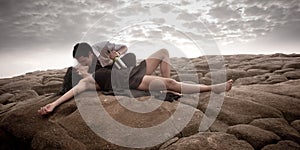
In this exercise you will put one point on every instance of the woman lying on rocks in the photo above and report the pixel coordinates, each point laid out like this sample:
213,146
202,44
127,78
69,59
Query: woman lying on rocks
140,76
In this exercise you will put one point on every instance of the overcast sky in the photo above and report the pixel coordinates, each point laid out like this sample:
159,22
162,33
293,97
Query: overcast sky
40,34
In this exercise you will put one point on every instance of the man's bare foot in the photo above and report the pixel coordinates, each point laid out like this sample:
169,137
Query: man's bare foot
46,109
223,87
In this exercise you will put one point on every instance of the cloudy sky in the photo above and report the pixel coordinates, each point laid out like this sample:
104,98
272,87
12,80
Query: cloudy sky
40,34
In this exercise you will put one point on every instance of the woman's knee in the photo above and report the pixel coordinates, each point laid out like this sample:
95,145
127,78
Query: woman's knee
164,52
170,83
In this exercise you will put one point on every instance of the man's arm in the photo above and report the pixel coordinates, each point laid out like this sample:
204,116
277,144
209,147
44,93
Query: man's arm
117,50
122,50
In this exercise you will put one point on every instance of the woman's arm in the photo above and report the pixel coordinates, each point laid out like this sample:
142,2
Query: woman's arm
84,84
50,107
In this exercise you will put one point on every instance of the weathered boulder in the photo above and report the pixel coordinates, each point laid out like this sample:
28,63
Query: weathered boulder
254,72
65,127
46,79
55,137
279,126
248,81
18,85
295,65
276,79
6,107
20,95
5,81
282,145
5,97
257,137
51,87
261,94
228,74
209,140
218,126
284,70
282,89
292,74
271,66
238,111
188,77
261,109
296,124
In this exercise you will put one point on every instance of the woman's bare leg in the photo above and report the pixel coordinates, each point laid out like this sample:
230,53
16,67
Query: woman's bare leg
159,58
160,83
84,84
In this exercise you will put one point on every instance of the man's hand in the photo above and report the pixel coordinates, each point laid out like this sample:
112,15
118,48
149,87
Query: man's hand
114,54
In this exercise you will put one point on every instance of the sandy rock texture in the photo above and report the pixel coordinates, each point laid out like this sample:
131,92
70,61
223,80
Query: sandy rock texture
262,111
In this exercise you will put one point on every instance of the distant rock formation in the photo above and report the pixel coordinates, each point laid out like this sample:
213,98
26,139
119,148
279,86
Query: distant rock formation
262,111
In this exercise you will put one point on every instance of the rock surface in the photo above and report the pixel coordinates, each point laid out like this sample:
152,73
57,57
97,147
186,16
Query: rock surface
279,126
288,145
209,140
262,111
257,137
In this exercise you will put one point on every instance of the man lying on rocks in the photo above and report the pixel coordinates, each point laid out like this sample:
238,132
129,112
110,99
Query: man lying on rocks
100,57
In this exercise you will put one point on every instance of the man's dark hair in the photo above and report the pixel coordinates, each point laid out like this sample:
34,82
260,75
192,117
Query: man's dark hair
81,49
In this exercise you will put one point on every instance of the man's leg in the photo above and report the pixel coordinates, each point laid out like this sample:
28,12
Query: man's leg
160,83
159,58
84,84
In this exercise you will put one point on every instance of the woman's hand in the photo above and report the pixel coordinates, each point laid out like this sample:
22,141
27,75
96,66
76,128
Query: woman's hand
114,54
82,70
46,109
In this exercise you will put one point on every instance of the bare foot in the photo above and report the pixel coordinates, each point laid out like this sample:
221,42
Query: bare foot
46,109
223,87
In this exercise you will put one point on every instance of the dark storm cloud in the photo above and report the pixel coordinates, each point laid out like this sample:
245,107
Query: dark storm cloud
185,2
257,23
30,23
137,33
255,11
290,32
158,20
294,14
202,30
165,8
132,10
155,35
276,11
184,16
223,13
254,18
43,26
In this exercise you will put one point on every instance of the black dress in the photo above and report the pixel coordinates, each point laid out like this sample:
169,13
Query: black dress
110,77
